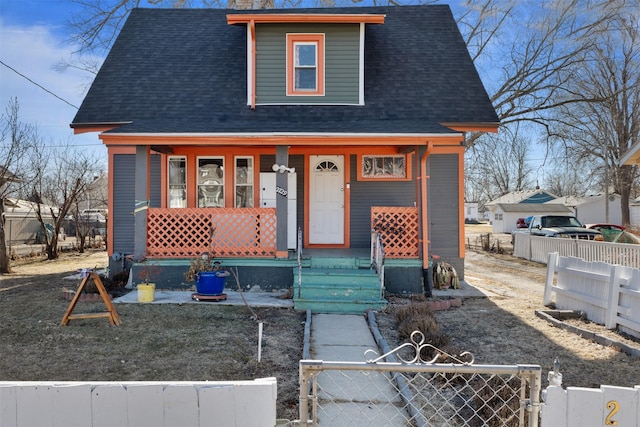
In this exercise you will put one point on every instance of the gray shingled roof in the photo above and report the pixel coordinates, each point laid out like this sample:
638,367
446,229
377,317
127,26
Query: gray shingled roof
533,207
184,70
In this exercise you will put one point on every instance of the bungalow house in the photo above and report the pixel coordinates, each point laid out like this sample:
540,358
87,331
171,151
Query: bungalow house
263,125
506,209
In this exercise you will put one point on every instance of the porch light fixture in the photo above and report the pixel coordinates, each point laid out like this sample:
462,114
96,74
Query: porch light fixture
282,168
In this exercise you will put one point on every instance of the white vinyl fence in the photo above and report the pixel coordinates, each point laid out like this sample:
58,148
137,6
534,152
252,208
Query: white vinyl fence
587,407
537,248
607,294
140,404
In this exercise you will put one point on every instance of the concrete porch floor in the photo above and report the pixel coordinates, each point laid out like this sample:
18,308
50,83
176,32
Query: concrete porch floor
254,299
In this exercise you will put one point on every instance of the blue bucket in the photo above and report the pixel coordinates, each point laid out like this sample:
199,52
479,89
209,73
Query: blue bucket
211,282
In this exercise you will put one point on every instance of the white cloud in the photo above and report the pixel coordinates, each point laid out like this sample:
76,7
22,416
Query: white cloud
33,51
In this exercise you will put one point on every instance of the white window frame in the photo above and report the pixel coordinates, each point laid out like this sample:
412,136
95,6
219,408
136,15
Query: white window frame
250,181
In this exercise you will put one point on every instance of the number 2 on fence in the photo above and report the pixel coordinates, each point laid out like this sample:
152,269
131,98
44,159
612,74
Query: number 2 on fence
613,408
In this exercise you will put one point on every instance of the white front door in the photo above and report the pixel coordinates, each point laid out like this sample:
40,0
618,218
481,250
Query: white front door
326,200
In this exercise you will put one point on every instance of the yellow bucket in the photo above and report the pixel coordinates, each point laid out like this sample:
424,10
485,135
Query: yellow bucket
146,292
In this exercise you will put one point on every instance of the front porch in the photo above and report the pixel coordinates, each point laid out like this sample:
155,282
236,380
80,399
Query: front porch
322,279
401,275
252,232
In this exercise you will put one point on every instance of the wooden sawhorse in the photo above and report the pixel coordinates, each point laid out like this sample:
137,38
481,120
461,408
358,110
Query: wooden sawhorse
111,312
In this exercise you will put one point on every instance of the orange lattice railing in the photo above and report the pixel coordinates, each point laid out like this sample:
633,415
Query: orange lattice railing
184,233
398,227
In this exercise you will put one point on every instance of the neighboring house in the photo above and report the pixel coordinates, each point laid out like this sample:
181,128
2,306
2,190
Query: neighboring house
97,195
6,176
471,211
206,113
21,225
505,210
631,157
593,209
634,214
504,216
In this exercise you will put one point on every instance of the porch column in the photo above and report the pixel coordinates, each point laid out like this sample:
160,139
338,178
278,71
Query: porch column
282,181
141,192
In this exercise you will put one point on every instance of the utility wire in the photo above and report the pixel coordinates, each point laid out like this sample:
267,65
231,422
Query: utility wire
39,85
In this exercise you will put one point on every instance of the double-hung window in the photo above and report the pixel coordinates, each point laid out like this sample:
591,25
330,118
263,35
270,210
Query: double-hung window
177,182
244,182
305,64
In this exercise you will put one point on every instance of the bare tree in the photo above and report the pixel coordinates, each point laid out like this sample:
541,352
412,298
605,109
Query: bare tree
62,174
531,76
497,166
605,130
98,23
16,139
527,53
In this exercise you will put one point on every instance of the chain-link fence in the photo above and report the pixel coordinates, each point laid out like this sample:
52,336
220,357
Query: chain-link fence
418,393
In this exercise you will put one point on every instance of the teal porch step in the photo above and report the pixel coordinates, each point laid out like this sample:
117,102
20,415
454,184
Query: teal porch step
340,263
337,290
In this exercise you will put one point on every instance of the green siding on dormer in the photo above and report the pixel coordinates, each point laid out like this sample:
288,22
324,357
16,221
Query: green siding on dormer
342,60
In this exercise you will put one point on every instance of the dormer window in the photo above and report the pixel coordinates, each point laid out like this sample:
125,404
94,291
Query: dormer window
305,64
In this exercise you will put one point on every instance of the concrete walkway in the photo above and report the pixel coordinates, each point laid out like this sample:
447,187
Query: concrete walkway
351,398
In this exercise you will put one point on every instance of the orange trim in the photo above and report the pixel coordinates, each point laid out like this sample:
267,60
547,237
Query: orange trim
232,141
407,163
192,196
292,40
307,200
346,199
282,254
163,180
78,129
461,244
252,29
423,206
280,18
148,162
119,149
473,127
229,189
110,174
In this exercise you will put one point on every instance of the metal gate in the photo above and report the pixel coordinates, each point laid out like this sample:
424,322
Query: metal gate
418,392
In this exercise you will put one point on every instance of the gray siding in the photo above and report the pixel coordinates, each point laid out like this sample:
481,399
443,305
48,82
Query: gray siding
444,208
124,198
156,172
342,54
365,194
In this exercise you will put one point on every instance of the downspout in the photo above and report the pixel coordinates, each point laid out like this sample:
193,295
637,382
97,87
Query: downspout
423,206
252,29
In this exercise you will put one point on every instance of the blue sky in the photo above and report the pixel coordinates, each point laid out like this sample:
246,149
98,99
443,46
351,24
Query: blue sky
32,41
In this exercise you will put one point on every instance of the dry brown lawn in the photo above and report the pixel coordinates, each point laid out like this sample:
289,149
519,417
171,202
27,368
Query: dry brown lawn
209,341
190,342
